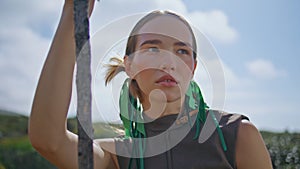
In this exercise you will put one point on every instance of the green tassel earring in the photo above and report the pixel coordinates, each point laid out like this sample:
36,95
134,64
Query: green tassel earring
196,101
130,111
131,116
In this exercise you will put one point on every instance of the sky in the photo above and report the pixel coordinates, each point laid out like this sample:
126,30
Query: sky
257,42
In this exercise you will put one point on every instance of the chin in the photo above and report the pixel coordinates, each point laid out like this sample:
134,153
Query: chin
173,98
166,97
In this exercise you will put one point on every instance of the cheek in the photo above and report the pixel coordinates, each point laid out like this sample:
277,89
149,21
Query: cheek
186,73
186,67
141,63
189,62
144,80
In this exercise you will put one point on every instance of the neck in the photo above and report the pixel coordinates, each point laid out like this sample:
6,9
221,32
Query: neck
157,109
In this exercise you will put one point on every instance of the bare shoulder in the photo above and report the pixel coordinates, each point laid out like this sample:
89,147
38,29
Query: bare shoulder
251,151
108,147
246,128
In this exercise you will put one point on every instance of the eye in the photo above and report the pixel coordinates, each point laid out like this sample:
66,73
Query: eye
152,49
183,52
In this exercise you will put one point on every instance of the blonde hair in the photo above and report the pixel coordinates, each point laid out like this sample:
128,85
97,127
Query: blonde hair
114,69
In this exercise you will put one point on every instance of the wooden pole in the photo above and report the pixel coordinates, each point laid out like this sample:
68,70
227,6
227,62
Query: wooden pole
83,83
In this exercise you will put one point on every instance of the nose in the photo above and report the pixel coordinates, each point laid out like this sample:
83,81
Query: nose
167,67
167,62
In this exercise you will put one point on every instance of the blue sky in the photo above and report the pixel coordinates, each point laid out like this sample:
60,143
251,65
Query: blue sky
257,41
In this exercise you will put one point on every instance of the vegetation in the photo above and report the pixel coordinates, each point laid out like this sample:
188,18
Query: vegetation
284,149
16,151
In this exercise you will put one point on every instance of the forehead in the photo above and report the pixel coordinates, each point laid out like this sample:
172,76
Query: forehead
168,26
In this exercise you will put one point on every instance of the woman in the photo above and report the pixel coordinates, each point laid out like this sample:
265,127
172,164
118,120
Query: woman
159,98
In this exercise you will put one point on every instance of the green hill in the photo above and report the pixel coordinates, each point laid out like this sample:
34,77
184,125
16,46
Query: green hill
16,151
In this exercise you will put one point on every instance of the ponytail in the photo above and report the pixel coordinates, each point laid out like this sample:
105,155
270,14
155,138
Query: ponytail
114,69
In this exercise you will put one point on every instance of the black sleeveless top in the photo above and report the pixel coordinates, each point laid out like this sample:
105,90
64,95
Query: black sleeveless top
170,144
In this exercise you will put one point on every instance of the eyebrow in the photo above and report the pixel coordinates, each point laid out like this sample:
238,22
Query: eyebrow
154,41
183,44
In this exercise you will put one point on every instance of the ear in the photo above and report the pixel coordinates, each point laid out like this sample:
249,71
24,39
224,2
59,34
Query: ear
195,66
127,64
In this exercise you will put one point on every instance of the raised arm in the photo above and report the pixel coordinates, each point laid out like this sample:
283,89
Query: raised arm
47,125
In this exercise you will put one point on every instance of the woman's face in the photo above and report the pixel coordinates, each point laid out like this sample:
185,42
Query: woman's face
163,62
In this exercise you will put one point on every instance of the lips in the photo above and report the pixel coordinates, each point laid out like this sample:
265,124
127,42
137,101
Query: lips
166,81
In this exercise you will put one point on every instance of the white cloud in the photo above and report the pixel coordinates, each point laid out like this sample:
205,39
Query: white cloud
21,59
177,6
22,50
215,25
33,14
264,69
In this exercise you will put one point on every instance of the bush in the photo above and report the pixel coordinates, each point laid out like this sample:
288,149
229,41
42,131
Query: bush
17,153
284,149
